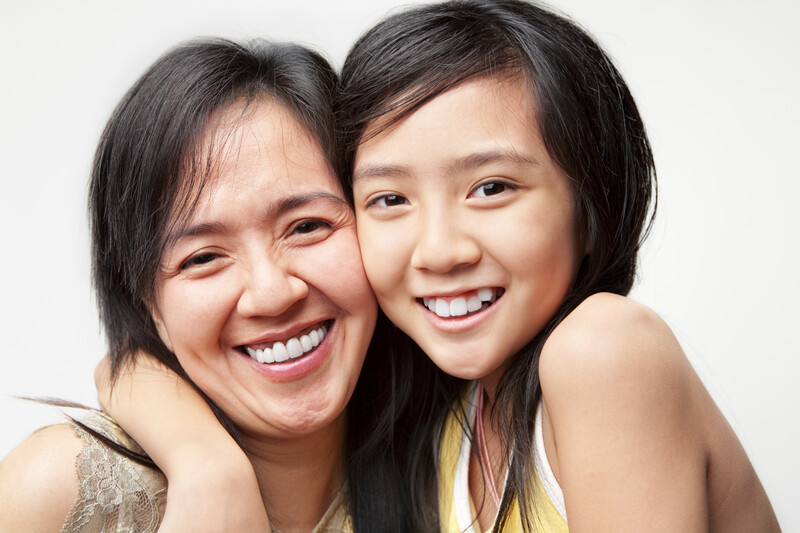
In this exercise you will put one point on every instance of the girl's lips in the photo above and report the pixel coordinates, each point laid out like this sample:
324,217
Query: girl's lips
467,321
464,304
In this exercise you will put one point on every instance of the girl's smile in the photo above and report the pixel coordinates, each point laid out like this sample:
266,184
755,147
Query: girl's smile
466,225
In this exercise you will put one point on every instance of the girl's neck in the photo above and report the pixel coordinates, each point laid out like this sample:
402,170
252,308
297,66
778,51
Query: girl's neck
490,384
300,477
487,474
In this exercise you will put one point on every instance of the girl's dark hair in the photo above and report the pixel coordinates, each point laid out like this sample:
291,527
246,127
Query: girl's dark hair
591,128
148,173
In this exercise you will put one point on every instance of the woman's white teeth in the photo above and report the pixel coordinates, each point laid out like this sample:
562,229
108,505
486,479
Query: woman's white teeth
292,349
459,306
485,294
280,352
305,343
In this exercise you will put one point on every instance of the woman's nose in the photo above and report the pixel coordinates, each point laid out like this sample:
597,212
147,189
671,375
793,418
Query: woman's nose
443,244
270,289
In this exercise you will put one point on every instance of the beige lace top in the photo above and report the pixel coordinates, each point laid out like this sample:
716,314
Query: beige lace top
118,495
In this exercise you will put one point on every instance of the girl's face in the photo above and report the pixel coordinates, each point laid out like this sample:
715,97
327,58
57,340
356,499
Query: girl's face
467,227
268,269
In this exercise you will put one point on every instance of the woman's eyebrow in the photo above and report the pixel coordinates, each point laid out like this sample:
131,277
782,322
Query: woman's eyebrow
275,210
299,200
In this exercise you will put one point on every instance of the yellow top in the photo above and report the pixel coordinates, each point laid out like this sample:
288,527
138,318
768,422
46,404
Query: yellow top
456,509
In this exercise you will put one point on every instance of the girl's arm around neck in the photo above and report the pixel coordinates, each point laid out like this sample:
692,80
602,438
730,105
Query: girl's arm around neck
633,437
212,484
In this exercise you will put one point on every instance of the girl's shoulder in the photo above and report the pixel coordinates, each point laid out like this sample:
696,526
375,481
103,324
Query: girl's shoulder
624,414
626,420
610,338
38,480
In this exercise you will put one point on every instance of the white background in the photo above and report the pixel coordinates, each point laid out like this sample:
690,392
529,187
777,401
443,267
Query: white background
716,81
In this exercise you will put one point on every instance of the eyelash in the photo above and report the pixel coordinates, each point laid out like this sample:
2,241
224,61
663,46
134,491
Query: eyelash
385,197
401,200
302,227
505,186
198,260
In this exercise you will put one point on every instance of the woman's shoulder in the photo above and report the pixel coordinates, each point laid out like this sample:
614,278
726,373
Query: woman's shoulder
66,478
38,480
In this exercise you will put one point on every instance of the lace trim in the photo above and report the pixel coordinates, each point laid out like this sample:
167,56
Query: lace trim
116,494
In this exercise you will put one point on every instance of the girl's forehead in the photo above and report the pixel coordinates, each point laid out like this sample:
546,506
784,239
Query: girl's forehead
480,114
510,89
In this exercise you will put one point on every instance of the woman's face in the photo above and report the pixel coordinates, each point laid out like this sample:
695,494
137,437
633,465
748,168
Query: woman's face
262,296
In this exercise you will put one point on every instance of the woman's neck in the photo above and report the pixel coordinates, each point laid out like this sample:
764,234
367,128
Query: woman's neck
299,478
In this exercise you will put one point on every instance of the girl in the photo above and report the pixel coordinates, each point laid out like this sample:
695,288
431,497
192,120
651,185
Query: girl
502,182
502,179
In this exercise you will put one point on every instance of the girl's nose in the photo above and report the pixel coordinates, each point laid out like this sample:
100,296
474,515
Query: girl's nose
444,244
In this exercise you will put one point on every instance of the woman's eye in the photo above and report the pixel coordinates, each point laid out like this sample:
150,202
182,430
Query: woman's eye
309,226
490,189
389,200
198,260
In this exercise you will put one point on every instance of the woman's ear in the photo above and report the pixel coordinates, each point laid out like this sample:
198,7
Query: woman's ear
161,328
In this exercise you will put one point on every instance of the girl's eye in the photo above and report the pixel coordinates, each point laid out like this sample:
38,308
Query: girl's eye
198,260
389,200
490,189
310,226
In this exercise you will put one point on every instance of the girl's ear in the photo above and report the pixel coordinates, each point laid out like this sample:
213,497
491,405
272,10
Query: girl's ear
161,328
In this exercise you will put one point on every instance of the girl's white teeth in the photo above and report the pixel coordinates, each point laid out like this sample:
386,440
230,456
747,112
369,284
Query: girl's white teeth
441,308
459,306
292,349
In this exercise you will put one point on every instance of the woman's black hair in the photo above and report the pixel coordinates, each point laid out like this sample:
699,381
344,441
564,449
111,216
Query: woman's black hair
591,128
148,172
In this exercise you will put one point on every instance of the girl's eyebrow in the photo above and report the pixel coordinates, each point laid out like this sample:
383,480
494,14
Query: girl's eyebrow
461,164
478,159
283,206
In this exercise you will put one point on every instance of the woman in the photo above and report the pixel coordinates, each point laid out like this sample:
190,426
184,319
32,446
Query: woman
216,216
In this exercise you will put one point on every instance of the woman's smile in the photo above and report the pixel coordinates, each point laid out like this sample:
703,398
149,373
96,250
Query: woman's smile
246,300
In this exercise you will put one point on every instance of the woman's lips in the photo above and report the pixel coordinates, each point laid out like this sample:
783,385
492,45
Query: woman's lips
289,348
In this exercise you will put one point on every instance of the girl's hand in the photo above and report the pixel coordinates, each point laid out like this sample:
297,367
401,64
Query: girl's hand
212,484
214,494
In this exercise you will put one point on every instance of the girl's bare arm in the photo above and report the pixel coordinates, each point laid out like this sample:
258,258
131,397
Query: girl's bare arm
212,485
